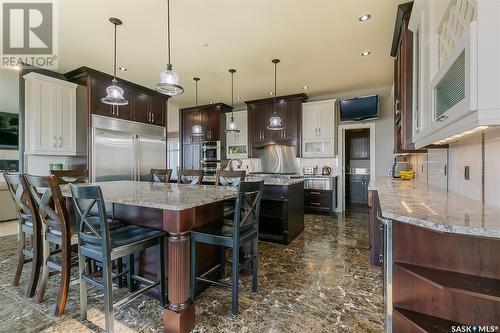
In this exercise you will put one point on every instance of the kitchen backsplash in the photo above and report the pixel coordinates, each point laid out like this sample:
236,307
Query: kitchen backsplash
464,167
253,164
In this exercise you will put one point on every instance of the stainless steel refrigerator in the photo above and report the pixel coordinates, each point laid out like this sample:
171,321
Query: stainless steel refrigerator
126,150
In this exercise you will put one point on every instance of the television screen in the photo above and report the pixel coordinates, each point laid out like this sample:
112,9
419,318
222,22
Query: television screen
360,108
9,130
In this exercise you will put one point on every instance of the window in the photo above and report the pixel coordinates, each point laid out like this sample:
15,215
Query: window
173,154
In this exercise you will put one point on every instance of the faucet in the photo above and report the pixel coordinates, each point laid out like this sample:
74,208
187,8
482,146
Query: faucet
230,164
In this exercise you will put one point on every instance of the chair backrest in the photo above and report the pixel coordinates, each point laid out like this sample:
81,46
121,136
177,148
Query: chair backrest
247,206
46,196
193,177
86,199
76,176
20,194
229,178
160,175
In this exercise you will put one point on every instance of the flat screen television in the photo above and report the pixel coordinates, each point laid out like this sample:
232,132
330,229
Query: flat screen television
359,108
9,131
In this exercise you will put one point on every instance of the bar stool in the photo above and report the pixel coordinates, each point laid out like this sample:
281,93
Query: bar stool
160,175
193,177
244,229
229,178
28,228
99,243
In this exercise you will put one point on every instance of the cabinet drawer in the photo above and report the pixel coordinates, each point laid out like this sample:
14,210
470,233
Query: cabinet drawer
318,198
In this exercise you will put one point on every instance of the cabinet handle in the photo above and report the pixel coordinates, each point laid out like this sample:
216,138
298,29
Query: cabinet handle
117,111
149,117
55,142
152,117
315,203
319,131
315,193
381,258
60,142
442,117
316,132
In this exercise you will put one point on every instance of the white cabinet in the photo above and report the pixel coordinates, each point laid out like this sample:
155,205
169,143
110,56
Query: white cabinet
50,116
457,67
237,143
318,128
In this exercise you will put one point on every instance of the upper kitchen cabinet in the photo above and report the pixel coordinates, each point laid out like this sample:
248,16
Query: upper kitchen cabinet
318,129
210,117
456,69
50,116
289,108
237,143
402,50
144,105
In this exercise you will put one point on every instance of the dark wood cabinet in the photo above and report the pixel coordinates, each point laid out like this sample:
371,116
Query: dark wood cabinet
375,231
318,201
145,105
211,118
289,108
402,51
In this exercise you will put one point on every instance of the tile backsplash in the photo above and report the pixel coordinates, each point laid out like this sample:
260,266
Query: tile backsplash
471,153
253,164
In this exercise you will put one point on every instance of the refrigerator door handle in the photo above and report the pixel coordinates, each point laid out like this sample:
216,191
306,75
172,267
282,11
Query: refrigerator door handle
138,162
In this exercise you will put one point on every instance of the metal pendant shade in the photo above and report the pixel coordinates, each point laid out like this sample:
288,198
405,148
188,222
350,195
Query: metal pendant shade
275,122
232,127
114,94
169,80
196,130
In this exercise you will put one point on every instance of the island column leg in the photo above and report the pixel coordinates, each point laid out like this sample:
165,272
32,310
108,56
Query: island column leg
178,316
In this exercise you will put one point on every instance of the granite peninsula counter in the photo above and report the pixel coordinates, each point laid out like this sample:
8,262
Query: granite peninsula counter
440,256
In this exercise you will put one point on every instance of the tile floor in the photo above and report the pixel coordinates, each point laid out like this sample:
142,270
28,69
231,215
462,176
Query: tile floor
321,282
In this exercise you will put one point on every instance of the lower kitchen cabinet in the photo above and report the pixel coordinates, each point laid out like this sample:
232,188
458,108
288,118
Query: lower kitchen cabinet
281,213
357,188
375,231
318,201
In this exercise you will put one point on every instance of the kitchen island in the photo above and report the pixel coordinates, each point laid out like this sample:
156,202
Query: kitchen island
175,209
440,256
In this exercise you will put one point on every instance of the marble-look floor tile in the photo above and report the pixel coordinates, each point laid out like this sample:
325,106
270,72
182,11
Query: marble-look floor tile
321,282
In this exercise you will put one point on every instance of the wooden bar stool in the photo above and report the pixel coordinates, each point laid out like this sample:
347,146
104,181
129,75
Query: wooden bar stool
244,229
193,177
97,242
29,228
160,175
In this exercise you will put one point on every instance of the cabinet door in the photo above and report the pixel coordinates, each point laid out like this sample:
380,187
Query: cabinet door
189,119
98,91
310,122
325,119
140,105
212,124
157,110
241,119
66,120
45,114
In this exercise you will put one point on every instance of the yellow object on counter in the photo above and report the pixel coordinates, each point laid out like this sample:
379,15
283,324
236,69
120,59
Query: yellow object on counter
407,175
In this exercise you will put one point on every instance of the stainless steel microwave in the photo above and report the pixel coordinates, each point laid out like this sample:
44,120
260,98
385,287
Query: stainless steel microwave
210,151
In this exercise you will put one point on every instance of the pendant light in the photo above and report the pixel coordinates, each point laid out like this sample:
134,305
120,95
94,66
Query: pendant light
196,130
169,80
114,93
275,123
232,127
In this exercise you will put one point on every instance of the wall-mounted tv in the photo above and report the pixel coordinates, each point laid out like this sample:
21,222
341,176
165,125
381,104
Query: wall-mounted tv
9,131
359,108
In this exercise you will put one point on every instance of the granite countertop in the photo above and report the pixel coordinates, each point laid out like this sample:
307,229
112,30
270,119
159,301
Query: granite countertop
435,208
160,195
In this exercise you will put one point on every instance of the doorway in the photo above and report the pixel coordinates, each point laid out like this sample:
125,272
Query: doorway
357,169
356,149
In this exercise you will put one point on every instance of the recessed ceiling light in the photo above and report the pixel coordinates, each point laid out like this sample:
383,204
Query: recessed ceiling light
364,17
305,87
210,102
271,93
122,69
365,53
238,97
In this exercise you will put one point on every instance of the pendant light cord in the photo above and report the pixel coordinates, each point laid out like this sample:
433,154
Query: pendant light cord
274,105
196,94
169,65
232,95
114,58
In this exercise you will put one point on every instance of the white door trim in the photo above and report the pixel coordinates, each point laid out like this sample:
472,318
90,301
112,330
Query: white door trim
340,148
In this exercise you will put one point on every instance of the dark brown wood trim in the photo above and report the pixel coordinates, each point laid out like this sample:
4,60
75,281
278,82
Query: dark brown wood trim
403,13
75,74
222,106
301,96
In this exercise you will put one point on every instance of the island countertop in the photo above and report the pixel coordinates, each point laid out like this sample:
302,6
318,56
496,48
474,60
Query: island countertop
435,208
160,195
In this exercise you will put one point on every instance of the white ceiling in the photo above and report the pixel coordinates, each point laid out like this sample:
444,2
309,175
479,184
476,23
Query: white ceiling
318,42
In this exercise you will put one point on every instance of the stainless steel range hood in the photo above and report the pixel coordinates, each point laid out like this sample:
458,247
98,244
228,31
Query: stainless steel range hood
278,159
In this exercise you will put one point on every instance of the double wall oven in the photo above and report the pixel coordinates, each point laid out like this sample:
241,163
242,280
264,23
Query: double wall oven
210,157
